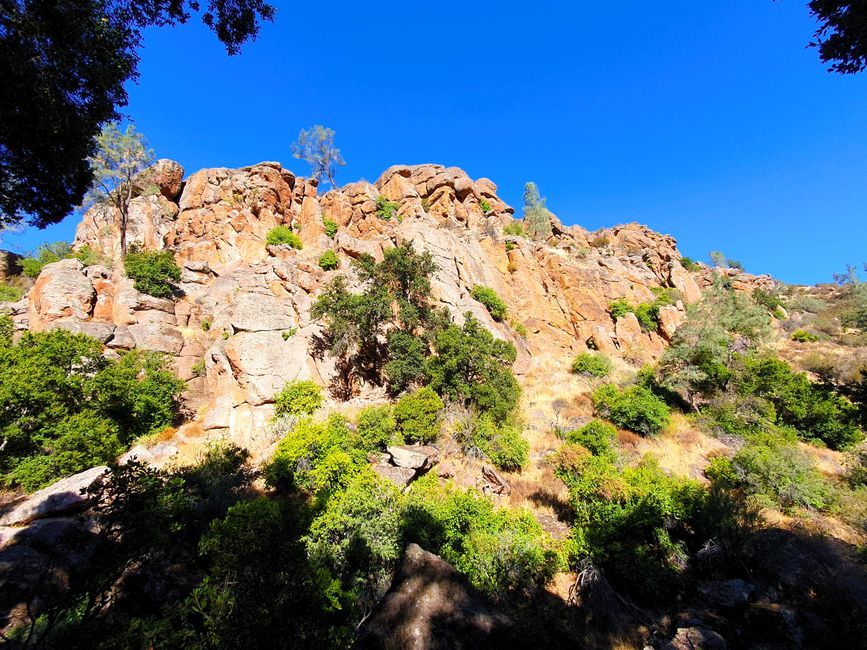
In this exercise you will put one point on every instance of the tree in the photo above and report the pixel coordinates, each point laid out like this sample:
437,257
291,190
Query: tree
64,66
537,217
842,34
316,147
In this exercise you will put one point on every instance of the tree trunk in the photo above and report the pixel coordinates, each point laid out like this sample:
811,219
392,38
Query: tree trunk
123,220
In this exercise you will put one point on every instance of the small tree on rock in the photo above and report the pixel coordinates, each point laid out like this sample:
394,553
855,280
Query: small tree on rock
537,217
120,158
315,146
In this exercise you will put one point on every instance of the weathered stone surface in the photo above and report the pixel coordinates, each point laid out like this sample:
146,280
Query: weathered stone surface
413,457
431,606
670,318
158,337
62,290
400,476
100,331
57,499
693,638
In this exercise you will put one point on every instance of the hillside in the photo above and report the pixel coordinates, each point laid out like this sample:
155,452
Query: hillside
696,552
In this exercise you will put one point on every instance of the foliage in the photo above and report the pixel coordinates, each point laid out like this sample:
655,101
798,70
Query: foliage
474,368
7,329
492,302
328,260
32,265
689,264
502,443
502,552
591,364
154,272
840,36
330,227
299,397
718,259
767,299
597,437
485,206
10,293
514,228
283,236
315,146
386,209
537,217
647,313
287,334
855,311
520,329
418,414
66,408
377,428
406,358
619,308
803,336
635,408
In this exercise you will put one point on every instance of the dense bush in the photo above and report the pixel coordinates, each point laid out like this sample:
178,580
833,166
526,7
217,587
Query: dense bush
689,264
9,293
474,368
767,299
592,364
492,302
154,272
418,414
328,260
597,437
299,397
330,227
803,336
485,205
502,443
377,428
406,358
66,408
635,408
283,236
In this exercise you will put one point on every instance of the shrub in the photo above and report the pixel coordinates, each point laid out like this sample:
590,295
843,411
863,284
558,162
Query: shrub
803,336
635,408
206,325
298,397
328,260
49,253
288,334
502,443
198,368
406,357
8,293
492,302
592,364
520,329
768,300
514,229
386,209
619,308
283,236
154,273
599,241
485,206
330,227
417,415
7,329
597,437
377,428
689,264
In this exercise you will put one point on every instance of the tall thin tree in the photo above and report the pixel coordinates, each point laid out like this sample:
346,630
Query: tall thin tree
315,146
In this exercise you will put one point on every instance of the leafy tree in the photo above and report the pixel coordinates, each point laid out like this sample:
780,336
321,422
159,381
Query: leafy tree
503,443
418,414
591,364
315,146
841,37
119,158
377,428
635,408
406,357
537,218
718,259
64,67
154,272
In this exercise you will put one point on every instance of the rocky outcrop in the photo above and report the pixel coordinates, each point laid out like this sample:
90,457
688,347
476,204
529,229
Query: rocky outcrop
430,605
66,496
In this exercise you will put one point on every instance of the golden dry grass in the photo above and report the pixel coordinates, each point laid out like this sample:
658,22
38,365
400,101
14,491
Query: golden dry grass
682,449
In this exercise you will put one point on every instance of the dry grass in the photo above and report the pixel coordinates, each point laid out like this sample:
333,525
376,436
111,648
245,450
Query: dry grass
682,449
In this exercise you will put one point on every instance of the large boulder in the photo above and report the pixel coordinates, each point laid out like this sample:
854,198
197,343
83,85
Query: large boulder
65,496
62,291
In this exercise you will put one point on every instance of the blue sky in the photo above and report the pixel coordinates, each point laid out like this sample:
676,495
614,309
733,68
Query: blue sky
709,121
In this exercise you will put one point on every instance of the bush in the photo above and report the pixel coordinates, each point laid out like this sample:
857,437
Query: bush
298,398
635,408
330,227
417,415
597,437
283,236
377,428
328,260
492,302
154,273
619,308
386,210
768,300
592,364
406,357
803,336
485,206
689,264
8,293
502,443
514,229
599,241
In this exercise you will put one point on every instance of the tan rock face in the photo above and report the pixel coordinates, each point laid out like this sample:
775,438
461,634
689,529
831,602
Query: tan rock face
244,307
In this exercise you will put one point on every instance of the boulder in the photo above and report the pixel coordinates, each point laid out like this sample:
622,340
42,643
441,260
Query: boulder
413,457
400,476
695,638
65,496
159,337
62,291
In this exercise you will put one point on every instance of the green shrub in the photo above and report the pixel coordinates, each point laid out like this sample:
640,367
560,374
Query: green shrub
689,264
597,437
474,368
485,206
515,229
288,334
502,552
377,428
593,364
417,415
299,397
328,260
619,308
635,408
7,329
406,357
503,443
767,299
803,336
198,368
492,302
330,227
386,210
283,236
154,273
206,325
8,293
46,254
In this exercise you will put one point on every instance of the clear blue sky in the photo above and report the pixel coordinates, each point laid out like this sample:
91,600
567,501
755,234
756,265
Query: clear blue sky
709,121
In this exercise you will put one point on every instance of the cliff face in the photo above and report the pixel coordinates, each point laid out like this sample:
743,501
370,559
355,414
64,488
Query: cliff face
240,299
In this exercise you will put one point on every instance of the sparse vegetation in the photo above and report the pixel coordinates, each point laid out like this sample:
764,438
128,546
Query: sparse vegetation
387,210
330,227
155,273
485,205
328,260
283,236
514,229
689,264
10,293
